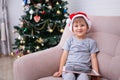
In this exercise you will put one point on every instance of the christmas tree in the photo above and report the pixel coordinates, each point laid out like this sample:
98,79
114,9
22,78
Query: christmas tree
41,26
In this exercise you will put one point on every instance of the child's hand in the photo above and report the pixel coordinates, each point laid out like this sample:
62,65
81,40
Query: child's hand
57,74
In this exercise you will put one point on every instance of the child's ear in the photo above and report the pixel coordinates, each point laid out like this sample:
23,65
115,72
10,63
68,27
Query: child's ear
87,27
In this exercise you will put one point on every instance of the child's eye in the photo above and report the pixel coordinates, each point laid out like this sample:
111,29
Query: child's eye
76,26
82,25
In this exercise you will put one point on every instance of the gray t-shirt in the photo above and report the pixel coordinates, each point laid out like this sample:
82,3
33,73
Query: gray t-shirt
79,53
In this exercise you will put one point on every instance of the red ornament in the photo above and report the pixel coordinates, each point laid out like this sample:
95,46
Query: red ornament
43,12
37,18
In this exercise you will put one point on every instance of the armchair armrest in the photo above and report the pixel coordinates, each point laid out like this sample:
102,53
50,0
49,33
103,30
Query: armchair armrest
36,65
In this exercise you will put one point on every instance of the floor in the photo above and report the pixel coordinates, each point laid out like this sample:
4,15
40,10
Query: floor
6,67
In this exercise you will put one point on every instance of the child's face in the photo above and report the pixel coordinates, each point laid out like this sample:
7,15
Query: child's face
80,27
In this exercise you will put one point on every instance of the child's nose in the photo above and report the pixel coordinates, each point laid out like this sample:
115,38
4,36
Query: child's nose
79,27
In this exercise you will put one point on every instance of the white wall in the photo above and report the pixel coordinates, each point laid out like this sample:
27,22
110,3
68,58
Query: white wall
14,13
96,7
91,7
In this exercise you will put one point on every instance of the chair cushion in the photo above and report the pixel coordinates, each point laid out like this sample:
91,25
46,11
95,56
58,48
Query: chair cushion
50,78
109,56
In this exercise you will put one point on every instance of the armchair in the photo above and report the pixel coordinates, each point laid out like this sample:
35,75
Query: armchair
42,64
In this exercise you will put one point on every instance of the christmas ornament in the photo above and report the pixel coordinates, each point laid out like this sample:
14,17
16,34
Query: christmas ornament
50,30
11,54
26,8
47,0
49,7
65,15
65,11
31,13
39,40
33,37
28,1
61,30
60,7
23,47
58,12
38,5
25,30
19,37
21,41
57,3
25,2
37,47
28,51
17,51
36,18
20,47
43,5
43,12
18,56
42,44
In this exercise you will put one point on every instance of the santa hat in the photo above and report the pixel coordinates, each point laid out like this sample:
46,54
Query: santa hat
69,21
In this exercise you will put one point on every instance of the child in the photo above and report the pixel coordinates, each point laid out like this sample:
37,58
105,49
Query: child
79,51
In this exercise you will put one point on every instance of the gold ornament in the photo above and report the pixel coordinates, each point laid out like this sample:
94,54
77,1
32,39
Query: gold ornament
37,47
57,3
18,56
61,30
58,12
21,41
40,40
50,30
22,47
47,0
11,54
28,51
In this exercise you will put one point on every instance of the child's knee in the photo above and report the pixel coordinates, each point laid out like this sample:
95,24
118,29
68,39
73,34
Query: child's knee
83,76
68,76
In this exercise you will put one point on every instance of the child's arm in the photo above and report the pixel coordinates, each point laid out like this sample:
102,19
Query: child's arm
62,63
94,62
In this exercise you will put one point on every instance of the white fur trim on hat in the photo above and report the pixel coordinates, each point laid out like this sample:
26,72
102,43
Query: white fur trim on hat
70,21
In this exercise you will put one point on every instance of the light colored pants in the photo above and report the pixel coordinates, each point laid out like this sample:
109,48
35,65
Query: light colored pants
71,76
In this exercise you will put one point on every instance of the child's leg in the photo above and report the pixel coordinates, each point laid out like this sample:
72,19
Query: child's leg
83,76
68,76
